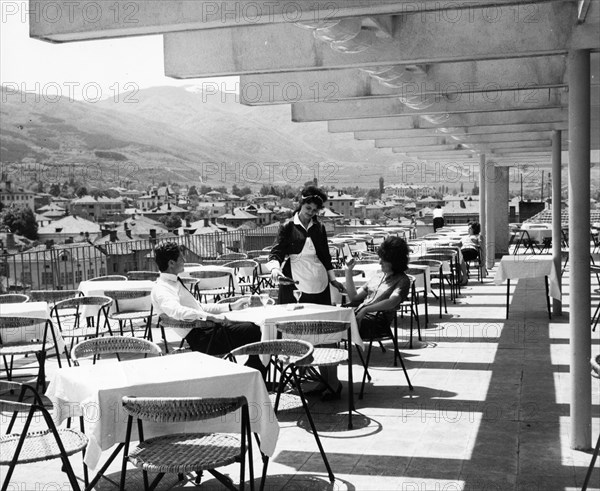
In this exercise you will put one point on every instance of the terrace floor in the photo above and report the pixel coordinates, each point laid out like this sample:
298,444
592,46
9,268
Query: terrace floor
489,411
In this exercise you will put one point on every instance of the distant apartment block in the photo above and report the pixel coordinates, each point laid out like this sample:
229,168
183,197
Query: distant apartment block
98,209
343,204
9,195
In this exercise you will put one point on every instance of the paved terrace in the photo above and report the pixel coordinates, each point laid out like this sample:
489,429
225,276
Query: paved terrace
489,411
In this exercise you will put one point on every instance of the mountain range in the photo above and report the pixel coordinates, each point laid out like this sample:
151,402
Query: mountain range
179,134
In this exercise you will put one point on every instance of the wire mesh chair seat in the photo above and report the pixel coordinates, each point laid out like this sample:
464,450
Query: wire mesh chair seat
288,355
34,346
113,345
13,298
326,332
112,277
246,271
28,447
182,453
143,275
124,314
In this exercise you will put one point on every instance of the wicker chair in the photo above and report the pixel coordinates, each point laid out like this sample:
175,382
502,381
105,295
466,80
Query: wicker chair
75,308
215,284
28,447
232,256
181,453
436,271
124,314
113,345
143,275
113,277
246,271
288,355
595,362
25,345
324,332
13,298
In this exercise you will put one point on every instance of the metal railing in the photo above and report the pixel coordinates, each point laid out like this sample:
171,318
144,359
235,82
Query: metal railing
64,266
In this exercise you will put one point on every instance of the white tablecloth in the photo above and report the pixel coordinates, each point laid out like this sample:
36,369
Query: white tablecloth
96,391
538,233
421,281
266,317
93,288
189,269
526,266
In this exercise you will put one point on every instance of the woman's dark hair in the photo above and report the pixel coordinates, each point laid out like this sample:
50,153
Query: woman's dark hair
395,251
312,194
475,227
164,252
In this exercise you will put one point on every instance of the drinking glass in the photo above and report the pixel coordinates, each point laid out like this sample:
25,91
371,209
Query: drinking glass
264,298
297,295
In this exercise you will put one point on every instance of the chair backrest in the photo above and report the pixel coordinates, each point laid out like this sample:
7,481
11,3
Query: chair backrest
113,345
100,301
434,265
52,296
316,332
143,275
22,329
175,409
298,352
255,253
167,321
341,273
114,277
13,298
243,267
233,256
215,262
129,300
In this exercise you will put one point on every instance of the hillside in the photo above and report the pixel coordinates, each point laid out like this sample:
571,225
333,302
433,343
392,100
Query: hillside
168,133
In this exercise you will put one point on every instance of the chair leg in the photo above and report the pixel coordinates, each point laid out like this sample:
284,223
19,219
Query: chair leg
312,426
395,341
591,467
362,385
362,360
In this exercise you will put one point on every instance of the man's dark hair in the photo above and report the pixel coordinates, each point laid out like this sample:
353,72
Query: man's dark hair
395,251
164,252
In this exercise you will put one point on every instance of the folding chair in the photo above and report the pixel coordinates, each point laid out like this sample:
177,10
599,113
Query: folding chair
246,271
132,305
182,453
215,284
289,356
27,447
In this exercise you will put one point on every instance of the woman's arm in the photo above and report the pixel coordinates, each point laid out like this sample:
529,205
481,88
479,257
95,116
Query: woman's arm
280,248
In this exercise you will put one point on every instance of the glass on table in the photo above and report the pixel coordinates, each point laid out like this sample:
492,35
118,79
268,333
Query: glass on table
264,299
297,295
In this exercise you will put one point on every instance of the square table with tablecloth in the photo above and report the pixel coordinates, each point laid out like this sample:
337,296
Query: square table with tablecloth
526,266
538,232
95,391
222,269
93,288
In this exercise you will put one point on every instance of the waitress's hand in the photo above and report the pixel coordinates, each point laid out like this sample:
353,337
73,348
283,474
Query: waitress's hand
336,284
275,274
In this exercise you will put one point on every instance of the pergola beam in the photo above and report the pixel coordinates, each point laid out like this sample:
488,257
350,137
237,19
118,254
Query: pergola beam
548,29
61,21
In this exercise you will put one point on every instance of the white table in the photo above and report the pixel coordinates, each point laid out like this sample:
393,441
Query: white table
30,310
94,288
96,392
267,317
538,232
525,266
221,269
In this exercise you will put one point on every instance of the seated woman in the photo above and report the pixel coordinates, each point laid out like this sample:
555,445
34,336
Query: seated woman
470,248
376,302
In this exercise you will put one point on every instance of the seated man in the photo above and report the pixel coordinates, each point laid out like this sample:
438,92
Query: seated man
377,300
172,298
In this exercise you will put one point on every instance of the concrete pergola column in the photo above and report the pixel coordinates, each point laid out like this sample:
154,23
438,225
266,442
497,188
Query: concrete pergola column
490,213
579,247
556,212
500,182
482,220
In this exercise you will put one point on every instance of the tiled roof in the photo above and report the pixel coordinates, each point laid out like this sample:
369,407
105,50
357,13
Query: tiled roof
70,225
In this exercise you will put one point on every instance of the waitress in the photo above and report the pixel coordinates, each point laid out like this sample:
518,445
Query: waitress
301,253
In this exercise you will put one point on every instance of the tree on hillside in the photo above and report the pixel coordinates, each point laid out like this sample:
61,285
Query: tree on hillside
171,221
20,220
265,189
81,191
55,190
192,191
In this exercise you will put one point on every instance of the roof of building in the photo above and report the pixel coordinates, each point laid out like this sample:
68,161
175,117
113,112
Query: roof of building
70,225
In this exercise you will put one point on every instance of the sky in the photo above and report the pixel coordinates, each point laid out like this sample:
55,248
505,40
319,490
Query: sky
87,70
